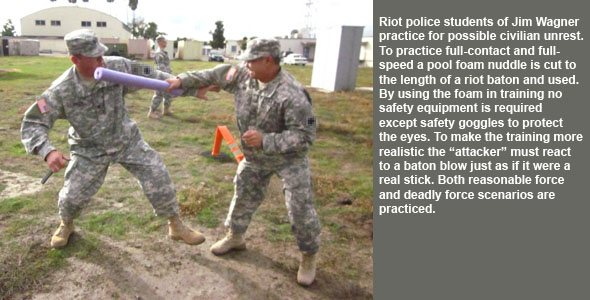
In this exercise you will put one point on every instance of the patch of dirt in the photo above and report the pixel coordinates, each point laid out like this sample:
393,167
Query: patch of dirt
4,71
155,267
163,269
18,184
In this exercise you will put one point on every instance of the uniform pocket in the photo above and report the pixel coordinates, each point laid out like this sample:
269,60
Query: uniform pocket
83,117
269,116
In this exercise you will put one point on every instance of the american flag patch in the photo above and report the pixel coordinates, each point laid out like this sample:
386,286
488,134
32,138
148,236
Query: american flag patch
43,107
230,74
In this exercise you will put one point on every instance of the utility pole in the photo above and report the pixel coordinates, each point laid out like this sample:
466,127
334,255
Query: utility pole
309,28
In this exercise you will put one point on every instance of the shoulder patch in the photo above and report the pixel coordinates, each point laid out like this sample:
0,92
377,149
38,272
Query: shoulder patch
43,107
230,74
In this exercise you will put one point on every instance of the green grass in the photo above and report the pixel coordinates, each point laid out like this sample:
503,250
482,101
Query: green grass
32,204
25,265
20,226
208,217
118,225
334,228
80,247
33,264
16,148
159,143
203,203
280,233
303,75
11,205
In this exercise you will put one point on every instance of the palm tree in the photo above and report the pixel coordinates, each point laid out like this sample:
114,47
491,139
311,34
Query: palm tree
133,5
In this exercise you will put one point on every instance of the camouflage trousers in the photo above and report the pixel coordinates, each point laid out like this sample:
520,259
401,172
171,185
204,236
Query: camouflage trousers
158,97
251,182
84,176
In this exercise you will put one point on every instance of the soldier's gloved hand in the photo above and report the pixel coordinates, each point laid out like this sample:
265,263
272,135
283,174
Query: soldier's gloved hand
56,161
174,83
252,138
202,93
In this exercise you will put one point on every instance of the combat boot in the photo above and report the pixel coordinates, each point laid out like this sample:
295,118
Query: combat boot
306,273
177,231
232,241
62,234
166,111
153,114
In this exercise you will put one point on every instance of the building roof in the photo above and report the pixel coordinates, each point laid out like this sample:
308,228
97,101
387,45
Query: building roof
78,8
80,12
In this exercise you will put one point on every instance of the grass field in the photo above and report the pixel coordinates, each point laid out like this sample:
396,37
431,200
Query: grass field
341,160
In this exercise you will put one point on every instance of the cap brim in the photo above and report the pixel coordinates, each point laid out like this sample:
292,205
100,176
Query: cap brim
98,51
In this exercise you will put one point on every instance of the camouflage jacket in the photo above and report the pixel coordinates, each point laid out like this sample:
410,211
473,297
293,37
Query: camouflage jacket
99,121
281,111
162,60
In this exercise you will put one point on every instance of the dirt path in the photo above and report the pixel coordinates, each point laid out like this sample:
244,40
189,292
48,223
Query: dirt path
164,269
155,267
18,184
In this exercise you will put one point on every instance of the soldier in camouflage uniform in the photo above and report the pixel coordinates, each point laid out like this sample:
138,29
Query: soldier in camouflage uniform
162,64
277,127
100,133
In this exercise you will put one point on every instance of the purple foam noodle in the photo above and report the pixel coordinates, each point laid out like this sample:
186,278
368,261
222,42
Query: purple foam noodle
134,80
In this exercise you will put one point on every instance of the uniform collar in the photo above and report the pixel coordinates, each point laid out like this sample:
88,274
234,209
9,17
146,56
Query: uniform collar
271,87
81,88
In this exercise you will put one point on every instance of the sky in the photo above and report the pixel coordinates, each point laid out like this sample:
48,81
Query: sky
195,19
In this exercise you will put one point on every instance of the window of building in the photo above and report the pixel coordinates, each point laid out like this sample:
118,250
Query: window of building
234,49
101,24
40,22
55,23
86,23
306,52
204,52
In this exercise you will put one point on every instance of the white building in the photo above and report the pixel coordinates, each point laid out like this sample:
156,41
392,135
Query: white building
232,48
52,24
305,47
192,50
366,56
59,21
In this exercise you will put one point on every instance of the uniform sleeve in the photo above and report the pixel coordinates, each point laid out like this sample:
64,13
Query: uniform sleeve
301,129
224,76
160,63
37,121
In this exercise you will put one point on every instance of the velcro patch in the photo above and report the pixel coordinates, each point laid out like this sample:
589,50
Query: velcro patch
43,107
230,74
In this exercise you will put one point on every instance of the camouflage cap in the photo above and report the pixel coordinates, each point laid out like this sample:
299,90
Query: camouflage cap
257,48
85,42
160,38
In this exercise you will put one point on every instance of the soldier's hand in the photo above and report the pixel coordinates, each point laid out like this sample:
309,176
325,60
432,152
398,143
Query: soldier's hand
56,161
252,138
202,93
174,83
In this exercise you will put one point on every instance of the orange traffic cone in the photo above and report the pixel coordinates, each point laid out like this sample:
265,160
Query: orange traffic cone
222,133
